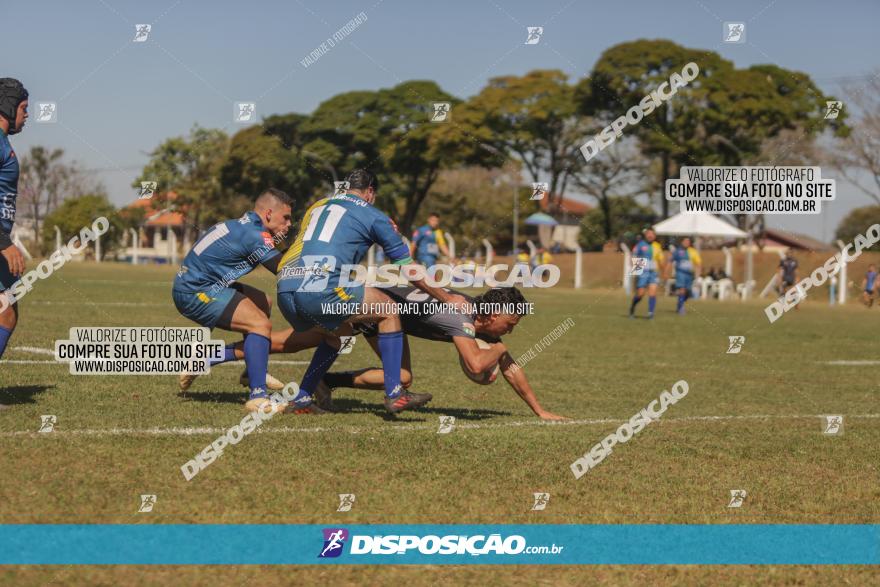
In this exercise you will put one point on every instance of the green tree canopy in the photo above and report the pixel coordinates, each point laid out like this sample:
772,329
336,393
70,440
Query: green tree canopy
857,222
190,167
74,214
628,218
534,119
720,118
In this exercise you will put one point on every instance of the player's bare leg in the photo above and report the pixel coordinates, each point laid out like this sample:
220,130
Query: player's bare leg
8,321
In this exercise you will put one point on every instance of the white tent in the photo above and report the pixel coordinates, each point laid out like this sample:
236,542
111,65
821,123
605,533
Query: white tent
698,225
707,225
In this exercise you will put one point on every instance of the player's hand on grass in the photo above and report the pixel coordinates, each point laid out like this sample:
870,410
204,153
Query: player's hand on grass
14,259
551,417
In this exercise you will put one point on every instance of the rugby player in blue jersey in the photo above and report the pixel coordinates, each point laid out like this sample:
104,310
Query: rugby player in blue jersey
13,115
206,292
869,285
428,242
687,263
337,232
650,251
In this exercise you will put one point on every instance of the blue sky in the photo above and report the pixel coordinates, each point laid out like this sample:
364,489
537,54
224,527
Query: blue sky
117,99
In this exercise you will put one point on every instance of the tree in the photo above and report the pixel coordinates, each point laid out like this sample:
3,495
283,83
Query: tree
722,117
857,222
45,181
476,203
74,214
535,119
628,218
619,173
390,133
858,153
268,156
189,167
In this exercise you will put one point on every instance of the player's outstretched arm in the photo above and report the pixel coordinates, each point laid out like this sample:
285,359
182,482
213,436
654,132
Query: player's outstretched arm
516,377
476,359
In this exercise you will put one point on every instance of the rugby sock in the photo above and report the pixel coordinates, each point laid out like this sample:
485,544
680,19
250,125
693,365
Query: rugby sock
256,358
652,303
343,379
322,360
391,350
636,300
681,300
228,355
5,333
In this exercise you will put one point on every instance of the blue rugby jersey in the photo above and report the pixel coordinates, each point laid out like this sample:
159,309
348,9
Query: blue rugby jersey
427,242
228,251
650,251
338,231
9,172
684,260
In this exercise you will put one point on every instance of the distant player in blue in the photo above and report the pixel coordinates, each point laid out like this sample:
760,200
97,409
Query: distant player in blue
205,290
335,232
647,258
428,242
687,263
869,285
13,115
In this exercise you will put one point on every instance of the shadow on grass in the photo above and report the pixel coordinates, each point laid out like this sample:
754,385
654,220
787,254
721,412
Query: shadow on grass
21,394
343,405
215,397
350,405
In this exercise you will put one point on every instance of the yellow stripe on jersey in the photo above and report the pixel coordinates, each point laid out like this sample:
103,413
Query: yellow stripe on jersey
695,256
293,253
340,292
438,235
203,297
658,254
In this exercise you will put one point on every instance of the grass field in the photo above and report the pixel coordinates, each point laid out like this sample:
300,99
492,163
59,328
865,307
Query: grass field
750,421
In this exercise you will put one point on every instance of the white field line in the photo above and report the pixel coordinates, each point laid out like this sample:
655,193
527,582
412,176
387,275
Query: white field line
33,349
398,428
852,363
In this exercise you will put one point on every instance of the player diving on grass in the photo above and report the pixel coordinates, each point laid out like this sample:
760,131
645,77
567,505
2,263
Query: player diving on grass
13,115
461,329
205,290
337,232
687,263
648,249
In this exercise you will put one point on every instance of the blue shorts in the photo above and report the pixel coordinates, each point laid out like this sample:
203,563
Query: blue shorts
648,277
684,280
6,276
306,309
202,308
